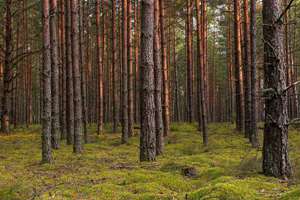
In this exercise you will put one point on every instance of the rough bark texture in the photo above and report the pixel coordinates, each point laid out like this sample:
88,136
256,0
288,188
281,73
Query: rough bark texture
189,50
253,126
238,67
147,137
247,70
203,108
114,71
275,150
7,69
55,132
158,84
125,134
166,111
100,70
46,78
129,71
69,77
77,147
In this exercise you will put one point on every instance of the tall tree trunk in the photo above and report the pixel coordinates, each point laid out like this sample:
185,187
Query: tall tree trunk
147,137
129,71
253,126
46,78
200,41
189,38
82,22
247,71
77,147
229,63
158,83
275,150
238,67
114,71
166,111
69,77
125,131
7,69
100,70
54,76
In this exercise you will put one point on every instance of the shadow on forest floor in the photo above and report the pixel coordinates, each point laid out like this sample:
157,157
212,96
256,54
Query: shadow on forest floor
228,169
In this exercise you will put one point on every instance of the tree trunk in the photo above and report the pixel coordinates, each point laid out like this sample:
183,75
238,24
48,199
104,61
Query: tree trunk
46,78
238,68
247,71
114,71
69,77
203,107
158,83
54,76
125,132
100,70
189,42
147,137
7,69
77,147
275,150
253,126
166,112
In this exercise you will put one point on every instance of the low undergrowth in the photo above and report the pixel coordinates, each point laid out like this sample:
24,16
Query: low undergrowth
228,169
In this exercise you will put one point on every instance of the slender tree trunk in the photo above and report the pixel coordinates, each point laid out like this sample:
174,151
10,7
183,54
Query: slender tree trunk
247,71
77,147
130,71
46,78
253,126
82,69
275,150
203,107
166,111
7,70
147,137
100,70
158,83
54,76
69,77
189,38
114,71
125,131
238,67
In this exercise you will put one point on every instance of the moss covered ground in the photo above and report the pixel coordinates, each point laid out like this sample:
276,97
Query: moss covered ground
228,169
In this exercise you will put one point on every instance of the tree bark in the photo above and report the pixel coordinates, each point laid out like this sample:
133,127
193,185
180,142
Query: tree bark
125,131
69,77
247,71
238,67
158,83
130,71
201,49
7,69
147,137
46,78
253,126
189,42
166,111
77,147
275,150
114,71
54,76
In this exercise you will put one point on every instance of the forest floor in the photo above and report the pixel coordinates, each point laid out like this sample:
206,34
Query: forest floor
228,169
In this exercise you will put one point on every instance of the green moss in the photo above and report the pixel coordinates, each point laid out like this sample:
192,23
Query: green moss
227,169
291,195
224,191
